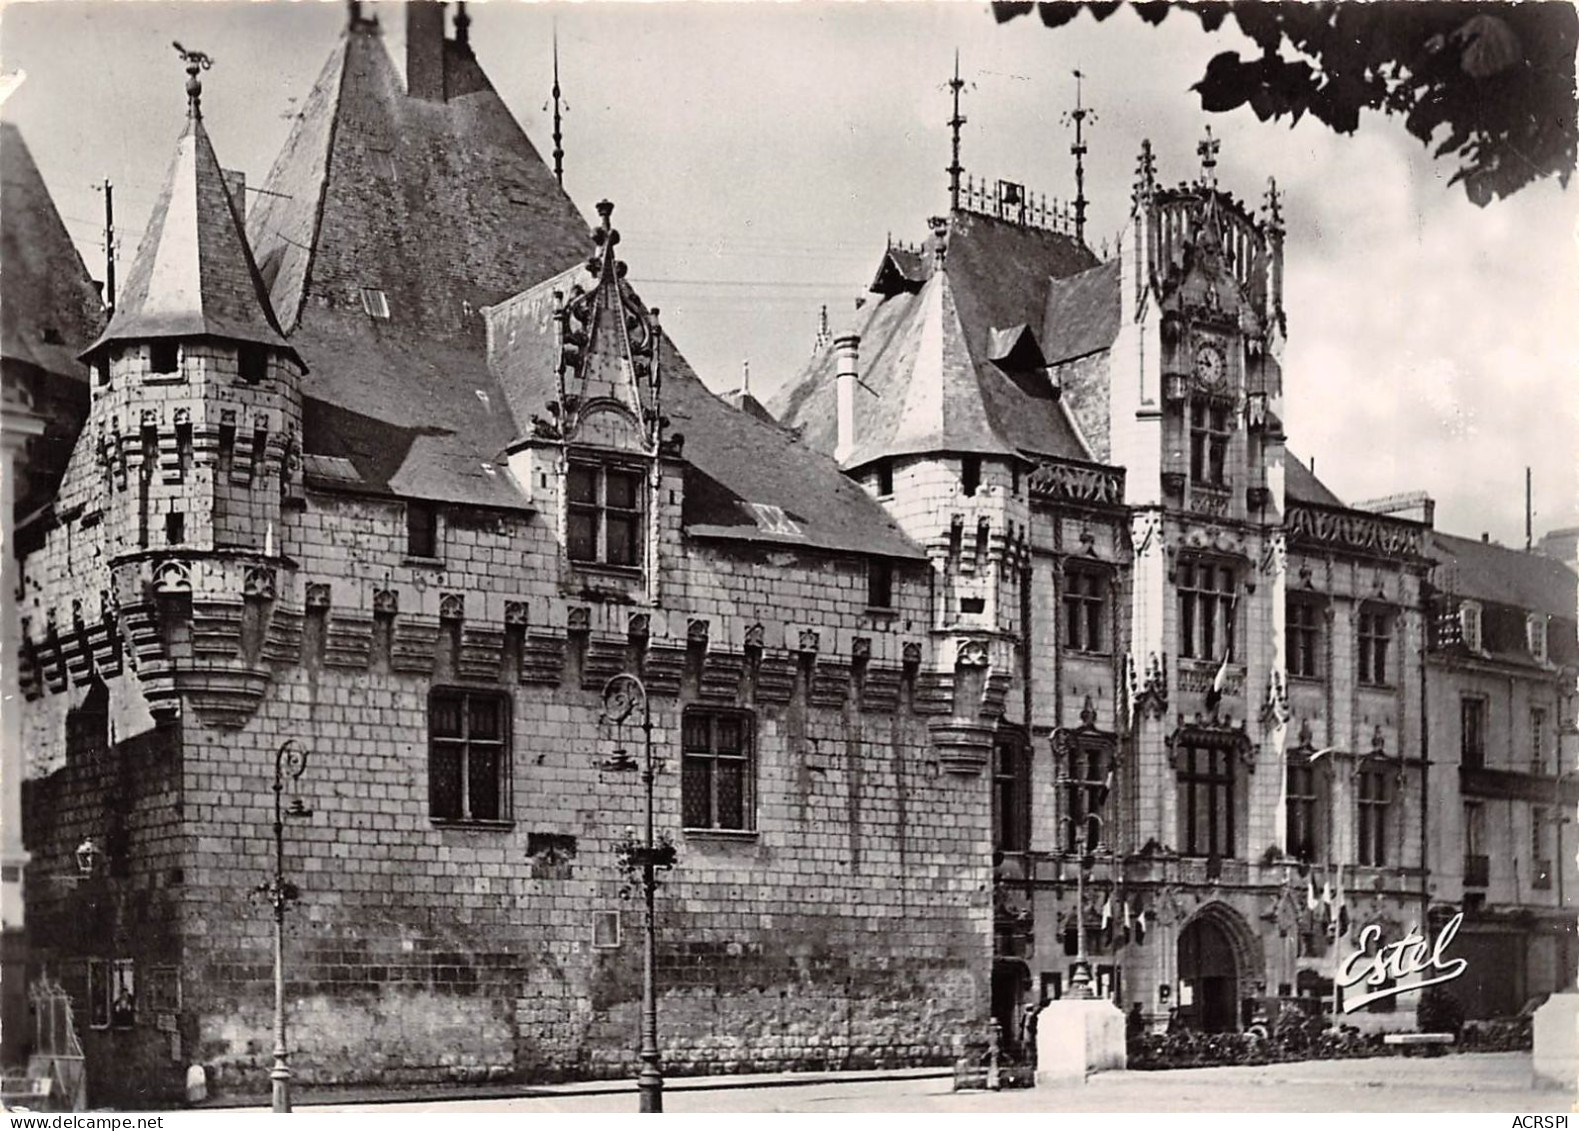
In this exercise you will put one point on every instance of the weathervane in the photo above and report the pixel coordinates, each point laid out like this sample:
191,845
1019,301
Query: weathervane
195,61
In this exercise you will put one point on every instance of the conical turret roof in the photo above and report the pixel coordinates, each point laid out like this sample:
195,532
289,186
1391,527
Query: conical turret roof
194,275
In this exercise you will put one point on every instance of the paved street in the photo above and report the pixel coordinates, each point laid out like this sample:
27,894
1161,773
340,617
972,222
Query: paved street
1473,1082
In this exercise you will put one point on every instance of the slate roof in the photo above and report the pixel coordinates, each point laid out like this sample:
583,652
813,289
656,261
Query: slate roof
443,206
193,275
736,460
1082,314
928,378
49,307
1300,484
1484,571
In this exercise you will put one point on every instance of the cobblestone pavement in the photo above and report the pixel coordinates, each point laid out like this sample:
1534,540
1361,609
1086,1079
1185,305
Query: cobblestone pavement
1498,1082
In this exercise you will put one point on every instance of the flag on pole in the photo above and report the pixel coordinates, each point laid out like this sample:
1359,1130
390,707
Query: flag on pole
1341,918
1140,926
1311,903
1214,696
1107,788
1107,920
1129,923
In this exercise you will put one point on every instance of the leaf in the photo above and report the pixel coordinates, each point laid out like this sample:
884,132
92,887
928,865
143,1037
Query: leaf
1152,11
1227,83
1005,10
1057,13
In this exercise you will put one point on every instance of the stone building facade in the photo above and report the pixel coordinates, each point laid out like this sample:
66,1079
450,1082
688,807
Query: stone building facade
1014,633
1215,760
410,505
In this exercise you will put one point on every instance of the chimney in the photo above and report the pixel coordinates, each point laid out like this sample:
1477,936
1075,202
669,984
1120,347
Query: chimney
425,50
236,186
846,364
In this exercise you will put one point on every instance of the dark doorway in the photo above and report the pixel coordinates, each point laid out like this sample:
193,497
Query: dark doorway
1011,992
1209,978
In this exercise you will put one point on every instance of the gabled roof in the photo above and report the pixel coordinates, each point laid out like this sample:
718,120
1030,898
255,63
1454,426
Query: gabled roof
443,207
1484,571
49,307
1300,484
937,369
193,275
741,470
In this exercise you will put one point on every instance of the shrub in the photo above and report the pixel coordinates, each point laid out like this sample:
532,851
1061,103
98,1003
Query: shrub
1439,1012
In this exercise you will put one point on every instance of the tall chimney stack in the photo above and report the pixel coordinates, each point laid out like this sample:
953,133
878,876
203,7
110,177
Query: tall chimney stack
846,363
425,50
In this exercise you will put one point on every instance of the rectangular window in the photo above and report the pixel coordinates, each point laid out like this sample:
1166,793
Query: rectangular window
1538,764
885,478
1011,796
1206,797
252,363
1472,733
1540,848
1535,631
1206,611
174,528
163,357
1303,626
1373,803
1084,609
468,755
1469,624
970,474
1302,812
717,775
1208,442
1376,634
1477,865
879,583
604,515
422,530
1086,790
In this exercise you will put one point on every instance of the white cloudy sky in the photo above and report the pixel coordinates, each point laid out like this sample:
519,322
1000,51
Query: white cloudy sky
759,155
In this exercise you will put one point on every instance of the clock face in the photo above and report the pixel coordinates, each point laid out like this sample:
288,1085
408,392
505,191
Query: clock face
1209,363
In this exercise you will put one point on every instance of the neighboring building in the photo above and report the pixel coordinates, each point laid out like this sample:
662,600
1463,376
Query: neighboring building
1501,681
49,311
406,478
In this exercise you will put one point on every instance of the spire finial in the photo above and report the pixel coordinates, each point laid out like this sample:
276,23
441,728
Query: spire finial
463,24
956,84
1274,207
745,377
559,107
1208,153
196,61
1145,174
1078,116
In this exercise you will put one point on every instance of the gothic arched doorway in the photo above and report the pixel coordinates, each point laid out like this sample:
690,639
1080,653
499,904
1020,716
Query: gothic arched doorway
1208,977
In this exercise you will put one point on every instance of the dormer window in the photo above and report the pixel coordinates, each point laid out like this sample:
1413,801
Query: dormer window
604,515
252,363
163,357
1535,633
1469,624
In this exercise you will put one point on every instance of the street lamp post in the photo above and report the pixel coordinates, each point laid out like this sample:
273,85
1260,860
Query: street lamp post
1080,977
624,694
289,762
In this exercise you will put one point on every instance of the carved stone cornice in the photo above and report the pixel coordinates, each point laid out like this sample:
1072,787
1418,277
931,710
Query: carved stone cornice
1309,524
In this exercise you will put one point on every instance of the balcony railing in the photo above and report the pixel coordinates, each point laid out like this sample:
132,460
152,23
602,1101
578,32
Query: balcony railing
1477,871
